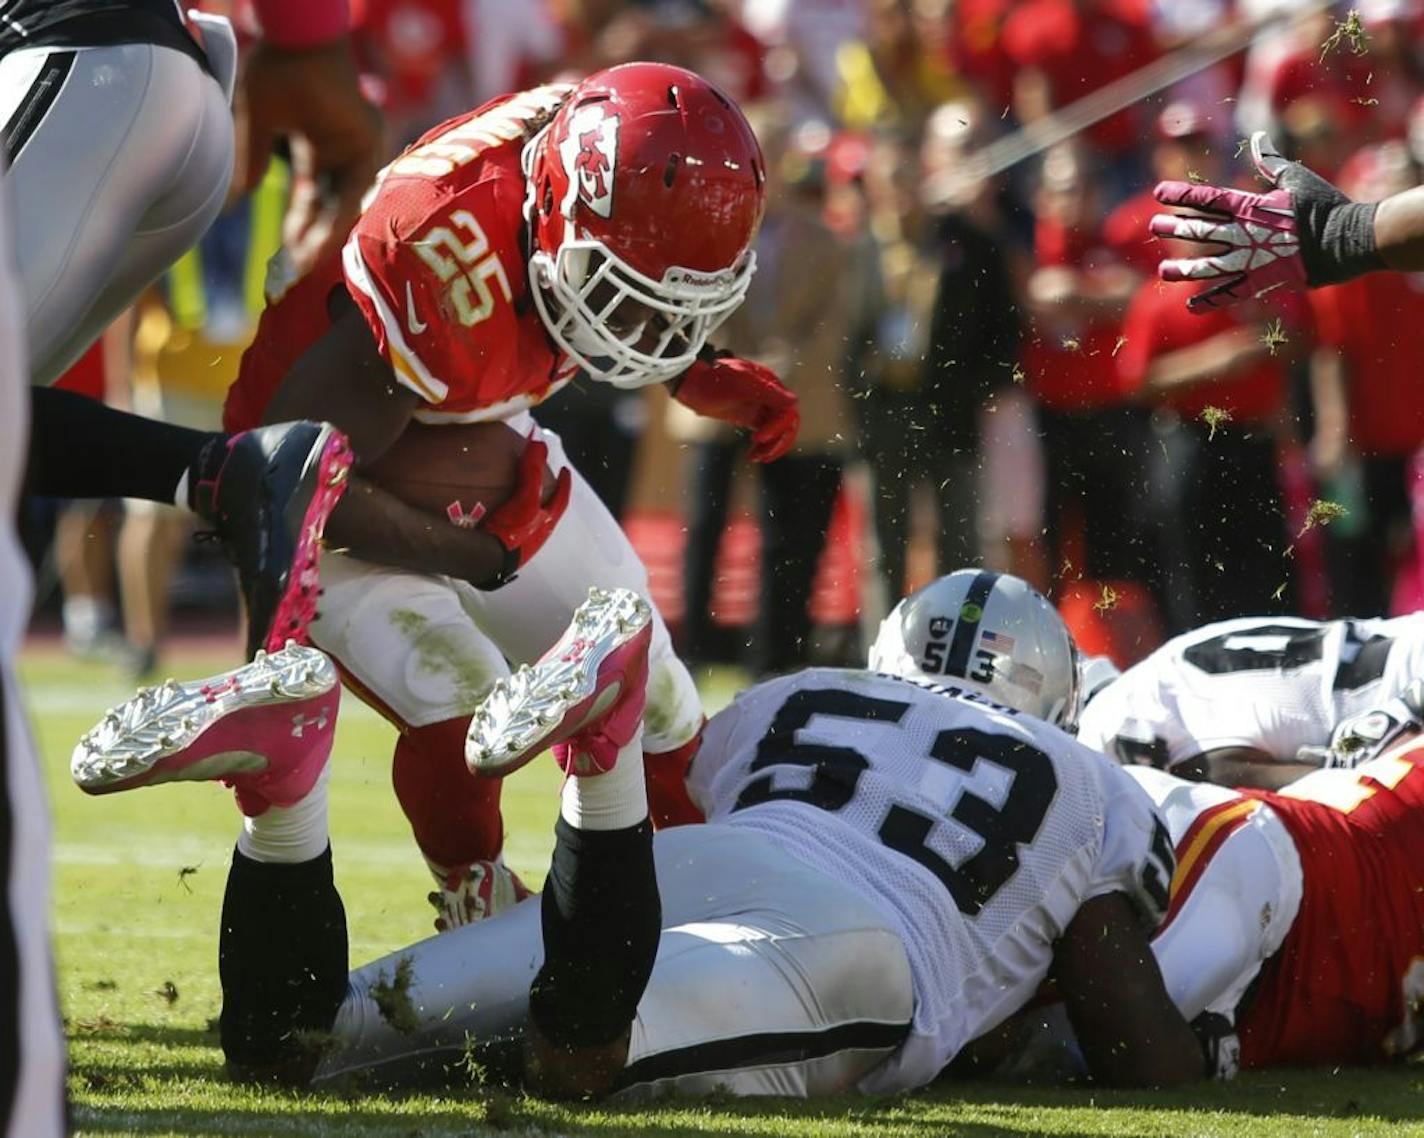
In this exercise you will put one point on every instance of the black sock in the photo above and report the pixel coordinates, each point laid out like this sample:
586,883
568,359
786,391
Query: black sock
602,918
81,449
283,961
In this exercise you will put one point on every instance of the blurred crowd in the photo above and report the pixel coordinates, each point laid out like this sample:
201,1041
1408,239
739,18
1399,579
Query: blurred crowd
989,370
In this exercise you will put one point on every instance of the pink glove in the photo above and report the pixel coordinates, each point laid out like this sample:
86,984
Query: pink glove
1257,232
747,395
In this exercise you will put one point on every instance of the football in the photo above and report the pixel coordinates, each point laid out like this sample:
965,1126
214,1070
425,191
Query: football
460,472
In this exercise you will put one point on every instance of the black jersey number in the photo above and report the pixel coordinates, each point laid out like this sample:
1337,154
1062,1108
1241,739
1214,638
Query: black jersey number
1004,828
835,772
1283,647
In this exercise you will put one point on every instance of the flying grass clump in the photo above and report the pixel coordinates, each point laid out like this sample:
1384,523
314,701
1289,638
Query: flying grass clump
1214,417
1349,34
1274,335
1321,513
393,997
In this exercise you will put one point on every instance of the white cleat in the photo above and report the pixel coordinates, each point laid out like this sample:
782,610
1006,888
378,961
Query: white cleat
589,689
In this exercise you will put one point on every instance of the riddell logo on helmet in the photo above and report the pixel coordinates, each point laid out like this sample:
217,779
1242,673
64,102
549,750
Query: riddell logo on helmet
590,157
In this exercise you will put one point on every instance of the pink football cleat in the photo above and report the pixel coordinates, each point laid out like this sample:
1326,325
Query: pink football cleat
269,499
264,729
584,698
476,891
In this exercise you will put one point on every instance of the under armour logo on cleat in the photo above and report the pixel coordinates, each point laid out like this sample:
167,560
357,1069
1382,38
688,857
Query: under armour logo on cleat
300,722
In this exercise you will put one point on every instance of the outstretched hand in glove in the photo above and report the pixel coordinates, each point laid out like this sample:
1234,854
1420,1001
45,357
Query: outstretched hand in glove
1302,233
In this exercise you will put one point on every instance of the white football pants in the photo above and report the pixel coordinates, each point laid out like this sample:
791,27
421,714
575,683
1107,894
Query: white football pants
121,158
1234,898
429,647
772,978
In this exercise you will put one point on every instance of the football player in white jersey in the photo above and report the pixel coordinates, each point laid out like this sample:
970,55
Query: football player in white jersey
1261,701
1268,934
889,871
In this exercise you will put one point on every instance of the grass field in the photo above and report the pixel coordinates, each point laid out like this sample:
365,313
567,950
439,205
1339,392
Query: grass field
138,886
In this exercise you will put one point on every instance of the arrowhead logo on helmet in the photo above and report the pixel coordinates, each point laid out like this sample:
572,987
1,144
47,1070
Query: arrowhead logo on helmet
590,156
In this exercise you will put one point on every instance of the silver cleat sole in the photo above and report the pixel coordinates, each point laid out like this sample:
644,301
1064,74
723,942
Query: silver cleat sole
161,721
519,711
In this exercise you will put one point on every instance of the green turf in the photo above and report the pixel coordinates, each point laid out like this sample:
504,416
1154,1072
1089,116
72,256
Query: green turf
138,886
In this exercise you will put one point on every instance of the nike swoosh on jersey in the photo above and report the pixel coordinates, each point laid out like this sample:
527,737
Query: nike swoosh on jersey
412,322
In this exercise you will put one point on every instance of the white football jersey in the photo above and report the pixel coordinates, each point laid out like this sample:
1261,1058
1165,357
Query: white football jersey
977,831
1273,684
1235,898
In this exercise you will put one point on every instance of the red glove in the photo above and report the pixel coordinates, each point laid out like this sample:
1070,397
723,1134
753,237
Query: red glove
746,395
524,523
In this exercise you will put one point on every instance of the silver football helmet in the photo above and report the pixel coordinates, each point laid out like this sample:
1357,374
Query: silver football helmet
1094,674
990,632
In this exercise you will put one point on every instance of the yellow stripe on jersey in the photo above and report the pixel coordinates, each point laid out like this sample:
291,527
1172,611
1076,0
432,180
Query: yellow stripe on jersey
407,371
1198,844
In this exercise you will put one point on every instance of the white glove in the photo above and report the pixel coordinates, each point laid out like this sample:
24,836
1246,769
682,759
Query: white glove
1363,737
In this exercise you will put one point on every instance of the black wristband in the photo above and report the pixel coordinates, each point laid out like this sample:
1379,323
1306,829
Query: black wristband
1347,245
1337,236
506,574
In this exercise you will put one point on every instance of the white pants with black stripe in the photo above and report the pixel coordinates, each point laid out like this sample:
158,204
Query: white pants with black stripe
120,159
31,1047
771,979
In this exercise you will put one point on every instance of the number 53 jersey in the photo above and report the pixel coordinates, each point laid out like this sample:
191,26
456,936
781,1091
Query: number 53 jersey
977,831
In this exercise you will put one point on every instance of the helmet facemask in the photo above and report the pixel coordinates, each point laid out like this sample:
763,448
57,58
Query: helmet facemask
581,290
643,197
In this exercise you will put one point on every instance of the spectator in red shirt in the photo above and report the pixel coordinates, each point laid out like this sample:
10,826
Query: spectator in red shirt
1065,49
1093,435
976,47
1369,403
1217,383
1372,90
1183,153
416,48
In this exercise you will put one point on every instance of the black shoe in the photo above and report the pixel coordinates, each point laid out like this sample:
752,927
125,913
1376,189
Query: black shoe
269,492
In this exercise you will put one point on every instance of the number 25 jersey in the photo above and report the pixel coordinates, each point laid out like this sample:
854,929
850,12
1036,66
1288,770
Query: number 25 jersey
437,266
977,831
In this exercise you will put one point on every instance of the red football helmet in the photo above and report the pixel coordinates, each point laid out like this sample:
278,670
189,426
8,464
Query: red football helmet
645,193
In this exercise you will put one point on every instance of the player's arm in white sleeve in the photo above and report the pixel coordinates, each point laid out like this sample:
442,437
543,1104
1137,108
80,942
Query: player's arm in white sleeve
1130,1032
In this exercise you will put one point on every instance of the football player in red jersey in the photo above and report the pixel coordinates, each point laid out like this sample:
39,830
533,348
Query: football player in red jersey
1295,930
603,228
